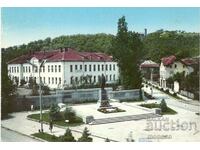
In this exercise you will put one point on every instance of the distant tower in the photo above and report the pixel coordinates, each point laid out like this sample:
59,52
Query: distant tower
145,32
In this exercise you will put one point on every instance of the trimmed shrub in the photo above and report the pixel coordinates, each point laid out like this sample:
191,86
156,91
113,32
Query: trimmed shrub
70,114
163,106
54,113
67,137
85,136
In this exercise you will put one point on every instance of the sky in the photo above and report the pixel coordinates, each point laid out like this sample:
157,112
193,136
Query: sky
22,25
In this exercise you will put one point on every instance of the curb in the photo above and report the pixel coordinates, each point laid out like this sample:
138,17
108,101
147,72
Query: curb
30,136
62,127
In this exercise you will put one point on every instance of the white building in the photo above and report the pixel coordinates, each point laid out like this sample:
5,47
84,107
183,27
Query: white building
64,67
170,66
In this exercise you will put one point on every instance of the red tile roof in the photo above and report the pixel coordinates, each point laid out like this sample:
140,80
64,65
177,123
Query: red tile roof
66,54
189,61
168,60
149,64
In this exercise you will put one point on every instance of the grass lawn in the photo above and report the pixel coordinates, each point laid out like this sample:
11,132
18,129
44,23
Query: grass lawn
47,137
154,105
78,121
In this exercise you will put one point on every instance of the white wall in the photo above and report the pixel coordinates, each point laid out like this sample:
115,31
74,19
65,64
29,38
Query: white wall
65,74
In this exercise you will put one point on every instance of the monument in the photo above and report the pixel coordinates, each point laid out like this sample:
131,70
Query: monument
104,102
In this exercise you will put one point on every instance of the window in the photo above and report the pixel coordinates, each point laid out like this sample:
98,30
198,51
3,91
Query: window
90,68
102,67
51,68
27,79
59,80
94,78
26,69
110,77
98,67
17,69
59,68
52,80
48,68
114,67
56,80
80,67
183,66
49,80
36,69
76,67
43,79
71,68
114,77
106,77
29,69
175,65
106,67
85,67
94,67
110,67
76,79
55,68
71,80
43,68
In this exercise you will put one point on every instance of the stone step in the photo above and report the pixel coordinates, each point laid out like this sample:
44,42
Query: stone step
124,118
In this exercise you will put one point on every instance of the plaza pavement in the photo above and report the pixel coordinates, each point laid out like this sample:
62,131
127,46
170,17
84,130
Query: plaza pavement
185,127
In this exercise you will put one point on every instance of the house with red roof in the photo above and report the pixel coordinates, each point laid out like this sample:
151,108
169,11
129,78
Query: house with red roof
150,70
63,67
171,65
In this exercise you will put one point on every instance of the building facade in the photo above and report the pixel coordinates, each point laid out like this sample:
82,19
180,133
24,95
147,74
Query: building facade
64,68
170,66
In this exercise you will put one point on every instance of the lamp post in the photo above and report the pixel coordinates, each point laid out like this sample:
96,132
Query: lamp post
40,91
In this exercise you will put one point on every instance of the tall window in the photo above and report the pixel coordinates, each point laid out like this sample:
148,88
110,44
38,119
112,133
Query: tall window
51,68
102,67
94,78
59,68
114,67
29,68
43,68
55,68
43,79
85,68
76,67
36,69
94,67
26,69
106,67
110,77
17,69
98,67
56,80
71,68
80,67
48,68
90,68
71,80
59,80
114,77
49,80
52,80
110,67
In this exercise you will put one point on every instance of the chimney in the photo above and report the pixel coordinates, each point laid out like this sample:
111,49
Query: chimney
145,32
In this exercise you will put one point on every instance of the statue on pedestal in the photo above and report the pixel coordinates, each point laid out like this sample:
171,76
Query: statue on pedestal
103,98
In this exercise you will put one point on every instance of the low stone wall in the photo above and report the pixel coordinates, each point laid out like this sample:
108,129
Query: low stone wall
124,94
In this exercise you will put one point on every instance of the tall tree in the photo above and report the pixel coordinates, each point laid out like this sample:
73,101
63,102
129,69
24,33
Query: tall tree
8,90
126,50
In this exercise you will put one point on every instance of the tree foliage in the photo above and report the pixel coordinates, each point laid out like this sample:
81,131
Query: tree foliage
126,48
54,113
85,136
163,106
69,114
164,43
67,137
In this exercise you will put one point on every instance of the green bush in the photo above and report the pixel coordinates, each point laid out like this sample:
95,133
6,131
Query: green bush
45,90
67,137
70,114
54,113
163,106
85,136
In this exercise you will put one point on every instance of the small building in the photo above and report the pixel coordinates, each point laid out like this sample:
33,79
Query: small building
63,68
150,70
170,66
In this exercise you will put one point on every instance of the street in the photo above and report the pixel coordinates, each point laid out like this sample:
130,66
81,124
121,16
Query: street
11,136
172,101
